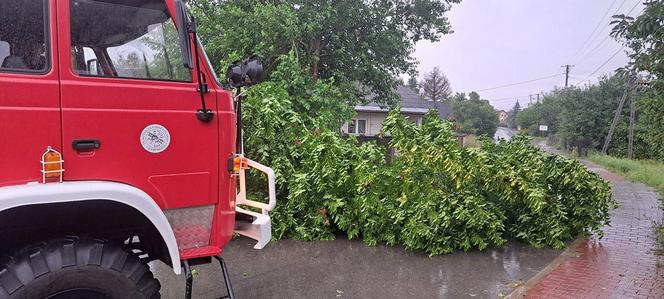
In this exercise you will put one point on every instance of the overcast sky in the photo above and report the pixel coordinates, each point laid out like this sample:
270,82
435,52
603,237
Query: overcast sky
501,42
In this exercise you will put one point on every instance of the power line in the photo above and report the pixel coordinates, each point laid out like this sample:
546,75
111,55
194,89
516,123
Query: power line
595,29
518,83
633,7
604,28
600,45
602,65
587,54
582,58
522,97
511,98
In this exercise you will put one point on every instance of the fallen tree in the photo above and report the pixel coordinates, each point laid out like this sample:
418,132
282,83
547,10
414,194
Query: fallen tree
434,195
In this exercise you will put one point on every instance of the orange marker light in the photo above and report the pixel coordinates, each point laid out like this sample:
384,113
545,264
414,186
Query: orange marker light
52,165
240,163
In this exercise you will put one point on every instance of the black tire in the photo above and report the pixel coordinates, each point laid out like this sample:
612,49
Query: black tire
71,269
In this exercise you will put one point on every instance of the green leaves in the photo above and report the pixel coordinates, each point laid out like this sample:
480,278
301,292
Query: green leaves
435,196
476,116
363,45
321,57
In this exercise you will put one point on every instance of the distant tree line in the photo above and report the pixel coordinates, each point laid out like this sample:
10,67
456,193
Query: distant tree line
472,114
581,117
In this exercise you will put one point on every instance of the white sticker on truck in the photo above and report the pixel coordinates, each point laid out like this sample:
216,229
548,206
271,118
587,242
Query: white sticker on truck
155,138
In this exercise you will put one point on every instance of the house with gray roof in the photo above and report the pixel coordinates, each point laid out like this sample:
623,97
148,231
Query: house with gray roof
370,117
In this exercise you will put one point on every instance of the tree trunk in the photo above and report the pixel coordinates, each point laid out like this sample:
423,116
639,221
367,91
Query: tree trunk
315,46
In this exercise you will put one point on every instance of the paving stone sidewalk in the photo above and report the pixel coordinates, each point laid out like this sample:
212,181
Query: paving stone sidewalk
623,264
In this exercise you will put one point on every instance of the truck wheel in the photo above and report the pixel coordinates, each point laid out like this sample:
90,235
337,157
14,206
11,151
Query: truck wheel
77,269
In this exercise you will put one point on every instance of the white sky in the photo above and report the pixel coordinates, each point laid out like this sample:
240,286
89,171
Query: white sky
500,42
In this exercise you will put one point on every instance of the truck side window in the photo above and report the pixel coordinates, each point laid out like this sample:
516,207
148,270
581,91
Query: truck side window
125,39
23,36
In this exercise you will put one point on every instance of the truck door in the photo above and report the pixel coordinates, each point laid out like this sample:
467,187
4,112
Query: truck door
128,104
29,94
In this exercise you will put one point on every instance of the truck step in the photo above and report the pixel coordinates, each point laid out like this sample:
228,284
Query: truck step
254,225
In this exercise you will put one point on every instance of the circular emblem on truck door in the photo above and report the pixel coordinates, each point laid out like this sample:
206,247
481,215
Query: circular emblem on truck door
155,138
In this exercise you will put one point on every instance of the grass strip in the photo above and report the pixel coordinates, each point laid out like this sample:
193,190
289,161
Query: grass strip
649,172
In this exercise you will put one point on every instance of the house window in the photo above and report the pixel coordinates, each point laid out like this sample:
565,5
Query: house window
357,126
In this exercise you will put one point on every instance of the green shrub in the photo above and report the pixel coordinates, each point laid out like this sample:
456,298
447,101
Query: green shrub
436,196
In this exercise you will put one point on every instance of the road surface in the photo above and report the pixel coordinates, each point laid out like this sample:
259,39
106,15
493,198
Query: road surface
350,269
504,133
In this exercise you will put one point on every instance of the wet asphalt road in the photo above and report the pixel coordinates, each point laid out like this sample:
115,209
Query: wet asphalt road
504,133
350,269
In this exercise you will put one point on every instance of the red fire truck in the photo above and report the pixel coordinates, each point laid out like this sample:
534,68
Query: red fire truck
118,146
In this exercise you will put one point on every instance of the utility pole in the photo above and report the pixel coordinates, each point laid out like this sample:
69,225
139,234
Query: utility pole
567,69
616,117
630,137
539,114
632,116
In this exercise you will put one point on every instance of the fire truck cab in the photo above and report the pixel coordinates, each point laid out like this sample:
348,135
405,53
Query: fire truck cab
118,146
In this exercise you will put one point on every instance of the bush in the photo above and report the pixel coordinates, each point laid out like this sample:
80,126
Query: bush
436,196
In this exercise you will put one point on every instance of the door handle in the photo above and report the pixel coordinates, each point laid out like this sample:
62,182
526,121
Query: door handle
85,144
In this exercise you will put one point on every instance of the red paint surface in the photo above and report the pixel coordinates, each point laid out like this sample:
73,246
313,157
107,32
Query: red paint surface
200,252
54,109
29,120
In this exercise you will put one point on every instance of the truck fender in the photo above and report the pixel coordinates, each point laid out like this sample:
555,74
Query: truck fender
36,194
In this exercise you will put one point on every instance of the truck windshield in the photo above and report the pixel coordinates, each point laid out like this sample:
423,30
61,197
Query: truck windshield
125,39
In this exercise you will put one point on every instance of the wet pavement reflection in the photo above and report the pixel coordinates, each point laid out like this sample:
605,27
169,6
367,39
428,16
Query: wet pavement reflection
626,263
504,133
349,269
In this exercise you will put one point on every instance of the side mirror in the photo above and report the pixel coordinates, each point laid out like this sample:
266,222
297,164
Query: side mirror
183,30
245,73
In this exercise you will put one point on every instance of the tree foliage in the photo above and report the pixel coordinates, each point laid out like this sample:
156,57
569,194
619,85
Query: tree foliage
644,36
436,196
581,116
279,111
413,84
474,115
513,114
436,87
546,112
363,45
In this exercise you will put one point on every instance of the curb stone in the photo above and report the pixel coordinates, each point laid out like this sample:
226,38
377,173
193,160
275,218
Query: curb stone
571,252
